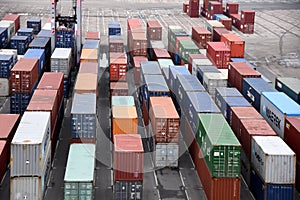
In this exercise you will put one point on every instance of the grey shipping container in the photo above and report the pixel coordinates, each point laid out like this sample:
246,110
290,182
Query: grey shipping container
205,68
290,86
61,61
166,155
198,63
213,80
227,92
148,68
128,190
173,72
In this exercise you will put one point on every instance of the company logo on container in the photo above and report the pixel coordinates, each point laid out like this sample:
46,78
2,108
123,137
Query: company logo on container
272,117
259,159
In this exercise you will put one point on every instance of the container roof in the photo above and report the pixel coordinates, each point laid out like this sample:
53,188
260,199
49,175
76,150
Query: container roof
7,122
128,143
292,83
203,102
163,107
122,101
273,145
124,112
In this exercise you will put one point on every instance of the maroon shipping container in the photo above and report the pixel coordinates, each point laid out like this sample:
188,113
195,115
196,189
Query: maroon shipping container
118,89
193,13
88,67
206,3
161,54
53,81
218,53
92,36
236,20
218,33
24,75
214,7
138,44
4,155
232,8
128,157
185,7
116,45
254,127
292,134
136,67
237,71
227,22
298,176
15,18
194,4
154,30
117,69
191,58
241,113
164,120
247,16
247,28
201,36
217,188
8,126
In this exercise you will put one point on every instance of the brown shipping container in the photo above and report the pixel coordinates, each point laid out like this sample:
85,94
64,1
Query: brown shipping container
154,30
241,113
124,120
235,43
86,83
247,28
118,89
185,7
214,7
219,54
128,158
237,71
218,32
254,127
191,58
193,13
201,36
136,67
194,4
88,67
236,20
53,81
89,55
116,45
15,18
164,119
292,135
92,36
24,75
118,69
8,126
161,54
298,176
217,188
232,8
4,155
227,22
247,16
138,44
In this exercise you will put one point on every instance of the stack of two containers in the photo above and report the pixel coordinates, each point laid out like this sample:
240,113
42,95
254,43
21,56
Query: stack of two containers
6,63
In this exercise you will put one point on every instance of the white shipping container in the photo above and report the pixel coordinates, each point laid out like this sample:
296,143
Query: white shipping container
211,24
199,62
166,155
10,25
211,81
29,147
12,52
61,61
4,87
273,159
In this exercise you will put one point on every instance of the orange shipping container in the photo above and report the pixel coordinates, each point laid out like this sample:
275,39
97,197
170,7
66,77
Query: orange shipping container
86,83
89,55
235,44
124,120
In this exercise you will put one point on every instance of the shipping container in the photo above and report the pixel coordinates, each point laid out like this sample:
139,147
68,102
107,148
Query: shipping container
232,8
92,44
198,102
114,28
137,66
11,52
89,55
4,87
20,43
61,61
227,22
166,155
19,102
226,92
42,43
10,25
116,44
290,86
171,34
90,35
4,157
211,24
124,120
252,89
79,176
237,71
218,32
121,101
86,83
128,158
30,147
164,120
298,176
8,126
6,63
149,68
65,36
197,63
83,116
246,28
235,44
119,89
262,190
213,80
292,134
165,63
219,54
24,75
88,67
44,33
15,18
160,54
26,32
118,69
35,24
236,20
275,107
154,30
134,25
193,57
137,44
245,168
271,151
173,72
247,16
187,47
128,190
40,55
206,69
3,37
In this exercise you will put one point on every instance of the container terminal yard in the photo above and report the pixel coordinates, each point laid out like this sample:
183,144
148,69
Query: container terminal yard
219,114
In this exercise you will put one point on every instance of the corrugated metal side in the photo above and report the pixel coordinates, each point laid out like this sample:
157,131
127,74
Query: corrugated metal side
292,134
166,155
26,188
4,87
126,190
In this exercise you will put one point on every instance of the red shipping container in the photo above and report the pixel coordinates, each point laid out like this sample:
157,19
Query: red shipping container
206,3
201,36
194,4
231,8
218,32
214,7
134,24
193,12
247,16
217,188
192,57
88,67
236,20
227,22
15,18
185,7
292,134
164,119
53,81
116,45
154,30
235,44
92,36
8,126
138,44
241,113
246,28
117,69
237,71
4,155
161,54
254,127
118,89
24,75
128,158
136,67
218,53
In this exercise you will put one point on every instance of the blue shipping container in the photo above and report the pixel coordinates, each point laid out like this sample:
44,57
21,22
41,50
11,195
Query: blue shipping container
35,24
3,37
19,102
20,43
219,16
26,32
176,58
44,33
114,28
67,86
252,89
225,103
197,102
65,37
173,72
268,191
148,68
203,69
227,92
42,43
165,72
39,54
6,63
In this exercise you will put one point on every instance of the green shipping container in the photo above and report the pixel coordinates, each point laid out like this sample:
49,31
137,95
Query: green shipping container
220,147
290,86
122,101
79,176
171,34
187,47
